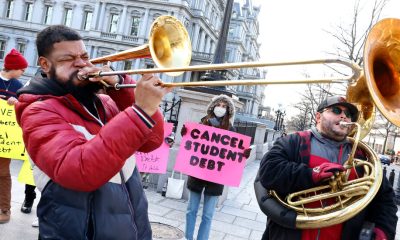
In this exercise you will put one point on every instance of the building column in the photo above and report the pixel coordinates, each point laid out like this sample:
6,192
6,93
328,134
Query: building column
3,7
95,51
102,16
208,43
123,23
195,34
137,64
77,16
58,13
144,25
96,16
212,46
31,53
19,11
38,7
201,44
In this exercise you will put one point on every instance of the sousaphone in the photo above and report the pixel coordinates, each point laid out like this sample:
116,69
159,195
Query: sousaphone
378,86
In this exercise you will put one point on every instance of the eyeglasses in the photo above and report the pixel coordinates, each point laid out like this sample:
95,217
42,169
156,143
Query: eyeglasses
337,110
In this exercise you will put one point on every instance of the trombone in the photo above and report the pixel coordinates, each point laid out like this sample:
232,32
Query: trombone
222,66
170,48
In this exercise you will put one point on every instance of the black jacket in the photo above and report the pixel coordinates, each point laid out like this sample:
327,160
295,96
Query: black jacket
290,157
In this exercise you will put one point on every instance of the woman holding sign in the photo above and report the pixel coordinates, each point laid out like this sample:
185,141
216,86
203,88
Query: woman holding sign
220,114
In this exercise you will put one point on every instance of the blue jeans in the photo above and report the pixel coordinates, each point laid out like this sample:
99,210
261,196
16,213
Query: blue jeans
209,205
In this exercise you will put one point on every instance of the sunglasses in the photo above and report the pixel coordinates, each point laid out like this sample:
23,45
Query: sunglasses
337,110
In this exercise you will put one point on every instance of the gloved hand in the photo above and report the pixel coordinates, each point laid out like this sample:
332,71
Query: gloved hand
183,130
379,234
247,153
325,170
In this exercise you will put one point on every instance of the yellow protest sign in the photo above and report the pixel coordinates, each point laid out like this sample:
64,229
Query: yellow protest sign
11,142
26,174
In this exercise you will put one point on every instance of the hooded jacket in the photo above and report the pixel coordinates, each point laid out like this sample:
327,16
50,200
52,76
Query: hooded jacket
86,164
195,184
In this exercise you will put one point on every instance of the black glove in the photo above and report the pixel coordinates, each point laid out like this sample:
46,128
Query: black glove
183,130
325,171
247,153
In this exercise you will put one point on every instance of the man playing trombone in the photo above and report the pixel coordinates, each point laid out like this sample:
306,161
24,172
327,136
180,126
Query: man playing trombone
83,143
309,159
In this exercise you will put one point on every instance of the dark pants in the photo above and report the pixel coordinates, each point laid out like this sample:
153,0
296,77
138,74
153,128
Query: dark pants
30,193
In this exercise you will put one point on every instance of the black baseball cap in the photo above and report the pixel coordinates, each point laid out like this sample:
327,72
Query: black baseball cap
339,100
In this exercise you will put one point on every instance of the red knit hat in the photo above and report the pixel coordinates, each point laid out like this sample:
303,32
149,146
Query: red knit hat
15,61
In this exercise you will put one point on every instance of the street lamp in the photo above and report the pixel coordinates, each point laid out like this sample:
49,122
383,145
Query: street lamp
280,114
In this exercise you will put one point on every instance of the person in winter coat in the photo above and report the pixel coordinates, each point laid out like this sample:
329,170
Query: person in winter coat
220,114
14,66
83,143
304,160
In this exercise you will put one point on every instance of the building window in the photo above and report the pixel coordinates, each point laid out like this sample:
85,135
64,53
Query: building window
2,48
28,12
88,16
135,26
21,47
127,65
113,23
67,17
48,14
10,8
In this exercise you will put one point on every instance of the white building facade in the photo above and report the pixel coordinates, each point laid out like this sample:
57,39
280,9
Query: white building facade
111,26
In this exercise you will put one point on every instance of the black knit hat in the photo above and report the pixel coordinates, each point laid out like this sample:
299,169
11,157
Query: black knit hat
339,100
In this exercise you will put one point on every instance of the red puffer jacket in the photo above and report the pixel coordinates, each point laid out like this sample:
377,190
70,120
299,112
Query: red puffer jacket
91,188
54,142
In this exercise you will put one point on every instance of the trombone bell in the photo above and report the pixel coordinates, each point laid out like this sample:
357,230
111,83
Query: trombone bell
169,46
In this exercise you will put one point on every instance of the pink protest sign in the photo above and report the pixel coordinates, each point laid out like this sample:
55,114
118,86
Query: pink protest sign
155,161
212,154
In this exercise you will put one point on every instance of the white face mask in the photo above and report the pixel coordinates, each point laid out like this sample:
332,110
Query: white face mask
219,111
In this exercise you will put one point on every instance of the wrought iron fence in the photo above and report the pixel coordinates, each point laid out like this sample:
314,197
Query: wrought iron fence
246,128
171,111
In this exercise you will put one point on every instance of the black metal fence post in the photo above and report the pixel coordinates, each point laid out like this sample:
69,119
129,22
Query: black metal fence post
397,191
391,177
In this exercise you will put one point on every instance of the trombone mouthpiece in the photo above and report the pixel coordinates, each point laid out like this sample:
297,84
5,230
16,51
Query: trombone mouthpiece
345,124
82,77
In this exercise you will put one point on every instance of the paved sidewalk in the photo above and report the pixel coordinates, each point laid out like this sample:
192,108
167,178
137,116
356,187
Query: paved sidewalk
237,218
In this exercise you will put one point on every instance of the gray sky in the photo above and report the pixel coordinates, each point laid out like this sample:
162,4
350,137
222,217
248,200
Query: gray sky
296,30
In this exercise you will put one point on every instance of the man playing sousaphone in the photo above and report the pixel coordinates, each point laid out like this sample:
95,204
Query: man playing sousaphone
307,159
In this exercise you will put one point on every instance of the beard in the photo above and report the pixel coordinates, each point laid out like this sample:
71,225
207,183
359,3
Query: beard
84,92
332,130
